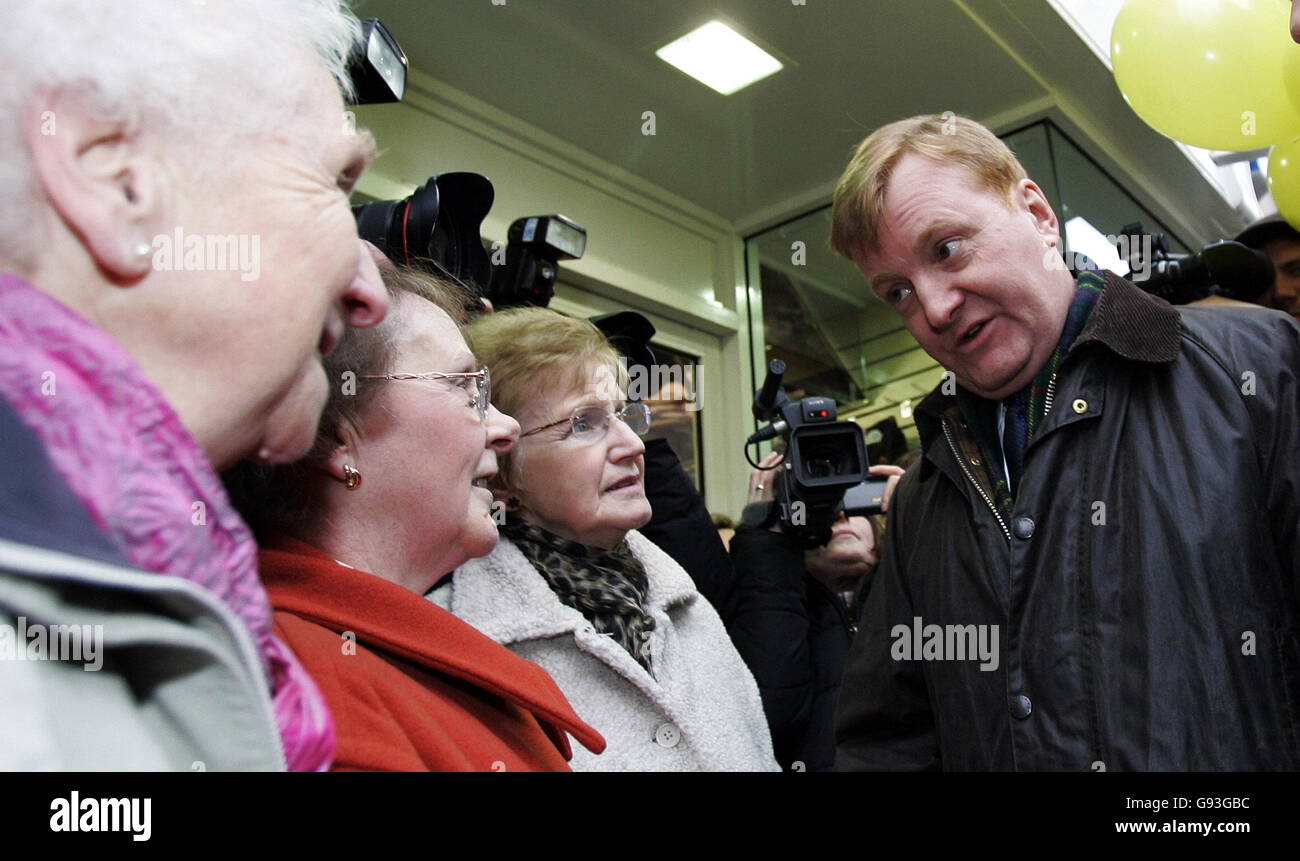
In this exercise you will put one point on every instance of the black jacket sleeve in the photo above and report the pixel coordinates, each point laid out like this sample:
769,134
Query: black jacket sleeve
769,626
682,527
884,720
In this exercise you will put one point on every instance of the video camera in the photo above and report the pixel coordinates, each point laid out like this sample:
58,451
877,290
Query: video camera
1226,268
824,470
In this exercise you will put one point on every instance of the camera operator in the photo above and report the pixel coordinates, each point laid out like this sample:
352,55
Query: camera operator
1281,242
794,615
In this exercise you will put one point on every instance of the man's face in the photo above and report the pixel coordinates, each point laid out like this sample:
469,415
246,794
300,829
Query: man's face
1285,254
971,273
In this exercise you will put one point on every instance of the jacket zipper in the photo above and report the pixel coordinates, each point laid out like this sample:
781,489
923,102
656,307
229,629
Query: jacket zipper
1047,409
962,463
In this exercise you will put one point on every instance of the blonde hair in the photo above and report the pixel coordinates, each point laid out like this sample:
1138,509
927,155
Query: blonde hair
860,195
530,349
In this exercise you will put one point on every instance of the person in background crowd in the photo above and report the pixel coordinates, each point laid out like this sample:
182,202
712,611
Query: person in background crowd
132,368
794,615
1281,242
573,586
1064,584
391,498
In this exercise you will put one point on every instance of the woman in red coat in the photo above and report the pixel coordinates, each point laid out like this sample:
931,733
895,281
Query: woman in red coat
390,499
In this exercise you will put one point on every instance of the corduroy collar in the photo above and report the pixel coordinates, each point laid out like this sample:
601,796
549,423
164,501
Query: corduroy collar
1132,323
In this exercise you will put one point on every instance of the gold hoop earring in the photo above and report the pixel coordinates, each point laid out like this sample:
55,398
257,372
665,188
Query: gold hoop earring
352,476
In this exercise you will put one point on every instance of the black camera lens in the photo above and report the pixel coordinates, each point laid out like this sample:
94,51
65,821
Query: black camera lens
830,456
819,468
436,228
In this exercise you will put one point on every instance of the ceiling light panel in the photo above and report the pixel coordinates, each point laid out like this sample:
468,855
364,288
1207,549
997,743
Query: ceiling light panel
719,57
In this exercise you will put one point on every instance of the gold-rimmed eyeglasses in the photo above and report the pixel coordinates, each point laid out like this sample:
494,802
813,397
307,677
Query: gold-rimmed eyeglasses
477,384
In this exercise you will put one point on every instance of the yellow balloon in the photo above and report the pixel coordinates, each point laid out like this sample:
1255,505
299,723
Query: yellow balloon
1284,180
1212,73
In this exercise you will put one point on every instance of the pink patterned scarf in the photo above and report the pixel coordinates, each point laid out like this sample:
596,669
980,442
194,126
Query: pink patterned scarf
145,481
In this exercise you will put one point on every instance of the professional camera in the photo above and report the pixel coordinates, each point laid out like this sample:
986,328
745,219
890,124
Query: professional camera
536,246
1226,268
824,470
438,228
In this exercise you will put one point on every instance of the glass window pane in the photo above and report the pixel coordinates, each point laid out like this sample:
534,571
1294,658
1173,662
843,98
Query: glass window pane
1094,206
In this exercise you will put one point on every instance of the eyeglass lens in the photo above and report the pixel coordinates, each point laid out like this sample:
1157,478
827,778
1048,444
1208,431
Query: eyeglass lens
589,421
482,387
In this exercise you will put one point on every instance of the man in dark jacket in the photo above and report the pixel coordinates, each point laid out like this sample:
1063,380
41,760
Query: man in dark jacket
1094,565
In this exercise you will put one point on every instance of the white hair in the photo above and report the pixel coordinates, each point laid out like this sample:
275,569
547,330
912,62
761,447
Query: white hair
204,71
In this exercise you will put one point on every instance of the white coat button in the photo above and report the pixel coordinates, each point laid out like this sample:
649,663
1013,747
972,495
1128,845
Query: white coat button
667,735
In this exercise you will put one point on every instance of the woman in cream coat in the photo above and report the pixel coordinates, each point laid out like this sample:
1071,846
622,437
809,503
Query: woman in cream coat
640,654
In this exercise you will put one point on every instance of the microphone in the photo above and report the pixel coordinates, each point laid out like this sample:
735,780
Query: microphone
770,396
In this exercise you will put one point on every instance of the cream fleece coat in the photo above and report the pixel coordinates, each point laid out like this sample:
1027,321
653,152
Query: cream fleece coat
699,712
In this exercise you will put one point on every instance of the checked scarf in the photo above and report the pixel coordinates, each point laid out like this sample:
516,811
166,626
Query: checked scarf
1025,409
607,586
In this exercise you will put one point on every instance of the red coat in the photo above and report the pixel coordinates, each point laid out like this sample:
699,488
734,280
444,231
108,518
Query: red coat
418,689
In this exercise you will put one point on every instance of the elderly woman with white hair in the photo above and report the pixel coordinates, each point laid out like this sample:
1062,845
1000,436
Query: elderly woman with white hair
572,585
176,255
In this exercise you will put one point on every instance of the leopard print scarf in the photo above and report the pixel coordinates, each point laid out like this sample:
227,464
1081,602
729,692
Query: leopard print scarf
607,586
